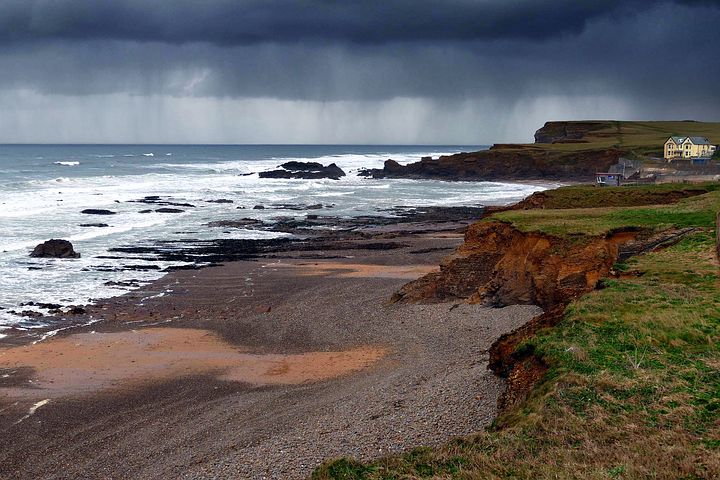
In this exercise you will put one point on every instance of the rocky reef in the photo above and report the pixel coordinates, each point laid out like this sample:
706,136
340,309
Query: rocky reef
305,170
505,162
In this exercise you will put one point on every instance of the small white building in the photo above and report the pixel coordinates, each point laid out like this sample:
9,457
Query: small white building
608,179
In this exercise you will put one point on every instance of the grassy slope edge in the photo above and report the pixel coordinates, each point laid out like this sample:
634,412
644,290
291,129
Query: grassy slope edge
633,386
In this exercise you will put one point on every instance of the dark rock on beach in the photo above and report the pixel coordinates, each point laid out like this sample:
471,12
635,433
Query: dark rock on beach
97,211
305,170
55,248
26,313
46,306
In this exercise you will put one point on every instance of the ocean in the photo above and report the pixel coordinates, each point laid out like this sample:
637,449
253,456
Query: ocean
44,188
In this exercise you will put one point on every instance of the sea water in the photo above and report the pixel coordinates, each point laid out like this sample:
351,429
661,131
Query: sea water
43,189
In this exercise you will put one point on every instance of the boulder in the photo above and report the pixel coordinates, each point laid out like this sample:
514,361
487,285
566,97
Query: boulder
169,210
55,248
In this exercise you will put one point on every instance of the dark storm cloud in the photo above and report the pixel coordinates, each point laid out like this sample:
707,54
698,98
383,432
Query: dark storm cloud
648,54
233,22
561,58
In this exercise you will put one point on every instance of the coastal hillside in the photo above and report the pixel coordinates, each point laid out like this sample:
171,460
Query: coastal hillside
619,377
566,151
640,138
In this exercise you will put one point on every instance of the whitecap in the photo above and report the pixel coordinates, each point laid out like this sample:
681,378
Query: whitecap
148,154
67,164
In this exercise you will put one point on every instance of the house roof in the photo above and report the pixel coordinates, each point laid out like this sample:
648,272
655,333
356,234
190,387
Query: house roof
694,140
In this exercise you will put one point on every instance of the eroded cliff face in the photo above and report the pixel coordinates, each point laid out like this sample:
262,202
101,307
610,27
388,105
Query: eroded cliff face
499,265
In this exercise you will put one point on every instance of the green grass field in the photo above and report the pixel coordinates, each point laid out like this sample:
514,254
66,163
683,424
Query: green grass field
633,385
695,211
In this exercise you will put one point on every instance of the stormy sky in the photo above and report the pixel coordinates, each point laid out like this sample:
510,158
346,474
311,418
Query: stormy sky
348,71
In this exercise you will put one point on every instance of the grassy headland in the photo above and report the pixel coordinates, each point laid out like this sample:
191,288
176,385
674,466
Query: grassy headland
642,138
632,388
562,150
580,217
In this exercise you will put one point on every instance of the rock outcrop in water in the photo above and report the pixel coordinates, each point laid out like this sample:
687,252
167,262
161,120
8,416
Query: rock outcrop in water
55,248
305,170
97,211
599,149
505,162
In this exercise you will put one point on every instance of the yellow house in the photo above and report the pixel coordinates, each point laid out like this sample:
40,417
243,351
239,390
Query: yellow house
688,147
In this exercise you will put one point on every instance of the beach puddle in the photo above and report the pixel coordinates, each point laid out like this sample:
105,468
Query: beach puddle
91,362
360,270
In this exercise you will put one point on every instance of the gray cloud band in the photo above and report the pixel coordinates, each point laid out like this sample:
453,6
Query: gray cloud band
245,22
360,51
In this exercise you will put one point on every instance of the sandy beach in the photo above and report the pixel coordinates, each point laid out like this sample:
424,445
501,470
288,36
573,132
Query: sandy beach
255,369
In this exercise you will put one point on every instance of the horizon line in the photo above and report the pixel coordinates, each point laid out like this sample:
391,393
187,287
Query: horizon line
252,144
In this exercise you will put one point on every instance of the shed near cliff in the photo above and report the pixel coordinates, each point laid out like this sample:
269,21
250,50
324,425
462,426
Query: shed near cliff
607,179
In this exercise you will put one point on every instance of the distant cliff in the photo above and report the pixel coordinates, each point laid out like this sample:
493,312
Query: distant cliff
506,162
576,132
565,150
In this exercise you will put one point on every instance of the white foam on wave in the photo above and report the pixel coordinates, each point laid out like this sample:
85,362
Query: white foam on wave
50,208
244,234
67,163
351,163
148,154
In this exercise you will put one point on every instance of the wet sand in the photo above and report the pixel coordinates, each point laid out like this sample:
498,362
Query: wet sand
255,369
87,363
